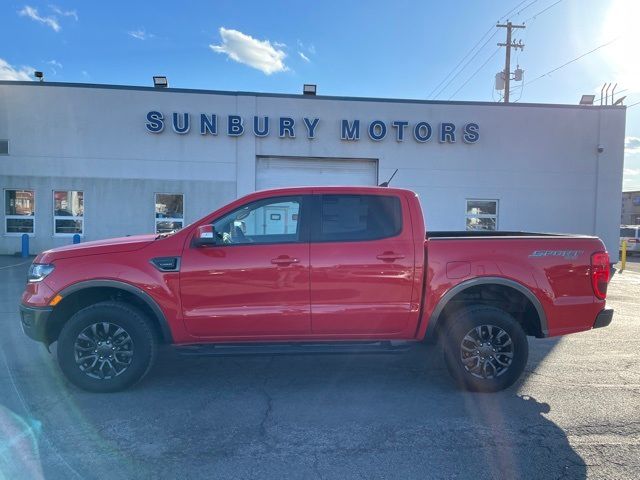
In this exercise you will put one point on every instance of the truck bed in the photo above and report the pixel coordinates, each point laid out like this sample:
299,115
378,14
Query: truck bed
478,234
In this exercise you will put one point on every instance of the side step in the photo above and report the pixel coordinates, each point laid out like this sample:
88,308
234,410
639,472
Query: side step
295,348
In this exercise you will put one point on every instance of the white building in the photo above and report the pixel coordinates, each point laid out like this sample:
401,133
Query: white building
105,161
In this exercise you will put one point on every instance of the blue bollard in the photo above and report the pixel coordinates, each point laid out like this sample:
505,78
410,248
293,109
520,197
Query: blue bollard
25,246
76,238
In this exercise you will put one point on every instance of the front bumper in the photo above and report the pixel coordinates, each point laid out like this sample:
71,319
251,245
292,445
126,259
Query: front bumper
604,318
34,321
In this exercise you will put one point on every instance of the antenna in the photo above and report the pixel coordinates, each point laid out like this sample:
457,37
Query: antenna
386,184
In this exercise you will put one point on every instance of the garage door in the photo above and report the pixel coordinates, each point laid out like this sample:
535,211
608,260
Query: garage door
274,172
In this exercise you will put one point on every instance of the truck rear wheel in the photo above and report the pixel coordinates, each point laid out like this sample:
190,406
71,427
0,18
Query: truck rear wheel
106,347
485,348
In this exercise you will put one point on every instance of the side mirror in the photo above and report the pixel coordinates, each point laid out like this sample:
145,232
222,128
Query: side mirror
205,235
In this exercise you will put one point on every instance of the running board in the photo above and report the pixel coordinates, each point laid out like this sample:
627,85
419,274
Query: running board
294,348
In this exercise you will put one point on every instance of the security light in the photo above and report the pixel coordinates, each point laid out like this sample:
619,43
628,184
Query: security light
160,82
587,99
309,89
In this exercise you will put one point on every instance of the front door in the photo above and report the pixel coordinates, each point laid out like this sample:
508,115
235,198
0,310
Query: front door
255,281
362,265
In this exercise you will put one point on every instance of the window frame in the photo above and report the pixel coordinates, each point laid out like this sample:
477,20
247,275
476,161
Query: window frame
303,213
18,217
468,215
63,217
167,219
316,230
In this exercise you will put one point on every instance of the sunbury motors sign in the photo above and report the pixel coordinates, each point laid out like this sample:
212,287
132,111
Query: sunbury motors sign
289,127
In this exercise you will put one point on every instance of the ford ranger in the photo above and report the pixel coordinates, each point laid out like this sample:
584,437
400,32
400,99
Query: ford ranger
313,270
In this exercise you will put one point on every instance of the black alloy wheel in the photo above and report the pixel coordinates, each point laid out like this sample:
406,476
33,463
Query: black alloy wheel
106,347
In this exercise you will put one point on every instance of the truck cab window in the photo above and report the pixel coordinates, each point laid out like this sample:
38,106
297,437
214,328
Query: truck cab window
349,218
275,220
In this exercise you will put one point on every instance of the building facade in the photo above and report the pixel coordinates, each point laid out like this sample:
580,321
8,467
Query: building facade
630,208
103,161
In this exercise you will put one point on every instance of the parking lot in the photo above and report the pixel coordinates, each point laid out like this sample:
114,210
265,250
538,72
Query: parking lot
633,262
575,414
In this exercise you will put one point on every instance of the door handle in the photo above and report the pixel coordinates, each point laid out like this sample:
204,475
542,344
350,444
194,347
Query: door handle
284,260
390,256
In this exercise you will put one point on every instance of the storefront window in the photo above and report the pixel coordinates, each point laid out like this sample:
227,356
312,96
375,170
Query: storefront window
169,212
19,210
482,214
68,212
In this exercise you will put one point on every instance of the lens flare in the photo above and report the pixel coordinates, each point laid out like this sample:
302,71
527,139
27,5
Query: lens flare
621,22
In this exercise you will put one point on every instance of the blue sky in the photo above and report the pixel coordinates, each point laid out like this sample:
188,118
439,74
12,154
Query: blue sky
375,48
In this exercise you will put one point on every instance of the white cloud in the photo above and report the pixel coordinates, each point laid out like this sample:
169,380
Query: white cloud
306,51
632,145
631,172
259,54
32,13
309,47
8,72
55,66
140,34
304,57
64,13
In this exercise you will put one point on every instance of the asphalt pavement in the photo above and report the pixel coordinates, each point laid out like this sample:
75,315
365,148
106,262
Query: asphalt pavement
575,414
633,263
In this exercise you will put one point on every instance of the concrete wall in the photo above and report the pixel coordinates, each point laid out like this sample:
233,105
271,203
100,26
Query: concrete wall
540,161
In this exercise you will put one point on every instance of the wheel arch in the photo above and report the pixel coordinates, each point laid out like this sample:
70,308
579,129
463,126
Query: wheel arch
438,317
82,294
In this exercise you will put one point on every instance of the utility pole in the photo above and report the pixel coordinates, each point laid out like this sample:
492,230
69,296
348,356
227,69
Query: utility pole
507,62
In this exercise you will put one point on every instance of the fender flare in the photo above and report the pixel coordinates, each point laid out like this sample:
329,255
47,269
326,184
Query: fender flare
143,296
474,282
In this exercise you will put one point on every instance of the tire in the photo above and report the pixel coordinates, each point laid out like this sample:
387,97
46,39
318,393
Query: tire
485,348
106,347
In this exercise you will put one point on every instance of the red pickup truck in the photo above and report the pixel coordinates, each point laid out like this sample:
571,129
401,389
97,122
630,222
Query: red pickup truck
313,270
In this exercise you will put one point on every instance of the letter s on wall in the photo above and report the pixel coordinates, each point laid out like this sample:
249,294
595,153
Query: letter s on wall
155,122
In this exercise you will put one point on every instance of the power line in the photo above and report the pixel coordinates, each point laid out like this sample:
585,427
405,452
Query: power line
525,7
633,104
542,11
574,60
465,65
473,48
476,72
512,10
460,62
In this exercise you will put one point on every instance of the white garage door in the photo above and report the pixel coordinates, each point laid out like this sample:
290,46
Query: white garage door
274,172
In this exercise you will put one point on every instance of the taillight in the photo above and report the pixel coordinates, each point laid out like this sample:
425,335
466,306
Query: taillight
600,274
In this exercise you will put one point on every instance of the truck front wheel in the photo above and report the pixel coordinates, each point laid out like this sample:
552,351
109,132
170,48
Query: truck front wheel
485,348
106,347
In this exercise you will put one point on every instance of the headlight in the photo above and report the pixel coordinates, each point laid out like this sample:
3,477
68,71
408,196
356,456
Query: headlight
38,271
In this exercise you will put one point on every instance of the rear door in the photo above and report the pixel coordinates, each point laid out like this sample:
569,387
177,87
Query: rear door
362,264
